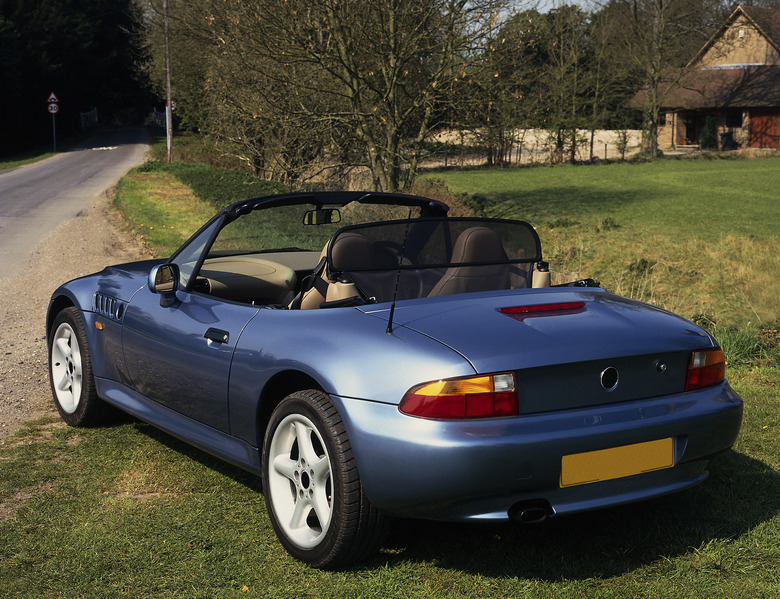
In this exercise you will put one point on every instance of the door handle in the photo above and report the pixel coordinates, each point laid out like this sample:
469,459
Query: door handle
217,335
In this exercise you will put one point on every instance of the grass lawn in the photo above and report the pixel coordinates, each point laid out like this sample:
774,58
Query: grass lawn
124,510
21,160
699,237
682,198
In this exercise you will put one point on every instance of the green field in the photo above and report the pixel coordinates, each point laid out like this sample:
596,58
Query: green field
124,510
699,237
681,198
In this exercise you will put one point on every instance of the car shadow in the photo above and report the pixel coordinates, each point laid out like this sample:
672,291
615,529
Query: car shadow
244,477
740,494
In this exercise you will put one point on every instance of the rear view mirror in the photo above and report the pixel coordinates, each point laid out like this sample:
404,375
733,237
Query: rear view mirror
323,216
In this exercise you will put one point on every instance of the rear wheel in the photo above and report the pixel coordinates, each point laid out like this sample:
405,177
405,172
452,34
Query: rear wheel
312,488
70,371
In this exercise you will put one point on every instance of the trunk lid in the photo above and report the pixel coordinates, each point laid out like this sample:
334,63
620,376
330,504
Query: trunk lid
612,349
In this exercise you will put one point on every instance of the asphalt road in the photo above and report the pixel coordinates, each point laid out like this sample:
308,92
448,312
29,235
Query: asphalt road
36,198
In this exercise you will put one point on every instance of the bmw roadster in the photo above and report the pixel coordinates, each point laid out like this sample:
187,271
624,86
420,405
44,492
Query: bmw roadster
370,357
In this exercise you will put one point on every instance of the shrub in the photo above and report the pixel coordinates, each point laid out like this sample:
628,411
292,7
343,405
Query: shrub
608,224
562,222
437,190
709,135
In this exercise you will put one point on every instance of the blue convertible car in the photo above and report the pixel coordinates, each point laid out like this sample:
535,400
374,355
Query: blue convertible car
370,357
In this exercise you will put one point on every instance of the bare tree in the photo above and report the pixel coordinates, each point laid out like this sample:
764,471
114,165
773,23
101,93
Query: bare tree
358,83
566,78
611,82
500,94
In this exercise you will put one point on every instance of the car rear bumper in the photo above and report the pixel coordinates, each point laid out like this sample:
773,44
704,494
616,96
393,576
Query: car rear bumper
489,469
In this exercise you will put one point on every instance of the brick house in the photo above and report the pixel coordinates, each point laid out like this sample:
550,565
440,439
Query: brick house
734,80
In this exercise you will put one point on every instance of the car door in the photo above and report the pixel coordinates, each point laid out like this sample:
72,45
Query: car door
179,355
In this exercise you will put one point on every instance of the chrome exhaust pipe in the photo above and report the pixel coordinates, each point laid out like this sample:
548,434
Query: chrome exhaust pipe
530,512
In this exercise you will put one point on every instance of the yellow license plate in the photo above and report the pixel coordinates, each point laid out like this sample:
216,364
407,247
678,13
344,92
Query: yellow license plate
616,462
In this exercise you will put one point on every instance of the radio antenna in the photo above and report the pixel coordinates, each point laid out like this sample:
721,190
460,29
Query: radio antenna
389,329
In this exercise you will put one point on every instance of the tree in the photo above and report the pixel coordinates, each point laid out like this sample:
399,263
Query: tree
611,82
10,81
709,135
565,78
191,59
658,39
558,71
501,94
343,83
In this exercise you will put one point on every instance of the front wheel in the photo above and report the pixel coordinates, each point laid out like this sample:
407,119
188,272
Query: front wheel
70,371
312,488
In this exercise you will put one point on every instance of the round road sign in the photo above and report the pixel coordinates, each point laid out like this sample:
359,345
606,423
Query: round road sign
54,108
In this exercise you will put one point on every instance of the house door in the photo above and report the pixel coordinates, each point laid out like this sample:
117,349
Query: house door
764,129
691,129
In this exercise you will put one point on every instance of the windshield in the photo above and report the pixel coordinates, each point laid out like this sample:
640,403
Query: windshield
282,227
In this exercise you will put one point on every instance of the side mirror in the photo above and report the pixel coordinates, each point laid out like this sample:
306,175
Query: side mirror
164,279
324,216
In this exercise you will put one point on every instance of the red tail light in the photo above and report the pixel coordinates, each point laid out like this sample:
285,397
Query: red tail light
474,397
706,368
556,309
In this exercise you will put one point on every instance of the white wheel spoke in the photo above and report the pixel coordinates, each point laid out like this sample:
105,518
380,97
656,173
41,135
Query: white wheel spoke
301,511
321,506
285,466
63,345
76,364
62,380
321,468
303,435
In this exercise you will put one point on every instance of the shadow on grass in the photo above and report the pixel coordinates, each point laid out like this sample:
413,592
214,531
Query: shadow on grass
542,205
740,494
248,479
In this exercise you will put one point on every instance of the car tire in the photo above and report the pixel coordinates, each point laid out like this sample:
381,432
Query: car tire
312,488
70,371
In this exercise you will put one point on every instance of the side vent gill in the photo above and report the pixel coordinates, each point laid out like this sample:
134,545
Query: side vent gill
110,307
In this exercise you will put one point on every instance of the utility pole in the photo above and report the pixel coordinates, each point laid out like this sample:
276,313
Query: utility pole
168,106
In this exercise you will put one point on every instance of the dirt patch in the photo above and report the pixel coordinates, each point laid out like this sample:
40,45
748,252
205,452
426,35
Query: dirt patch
10,506
94,239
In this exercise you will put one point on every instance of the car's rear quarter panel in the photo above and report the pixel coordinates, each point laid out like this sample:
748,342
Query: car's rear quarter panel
346,352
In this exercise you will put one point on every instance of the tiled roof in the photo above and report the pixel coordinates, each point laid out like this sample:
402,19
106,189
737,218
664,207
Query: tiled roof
751,87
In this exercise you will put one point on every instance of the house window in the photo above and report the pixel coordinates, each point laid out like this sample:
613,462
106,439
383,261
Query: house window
662,119
734,118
